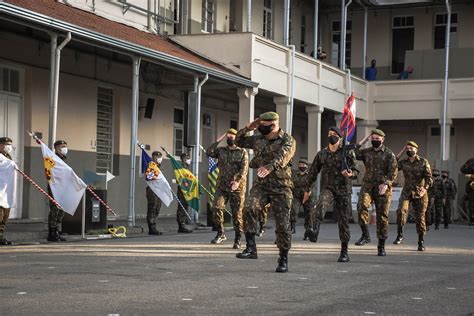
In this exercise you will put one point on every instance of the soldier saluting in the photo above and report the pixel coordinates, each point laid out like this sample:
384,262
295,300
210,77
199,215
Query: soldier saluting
274,150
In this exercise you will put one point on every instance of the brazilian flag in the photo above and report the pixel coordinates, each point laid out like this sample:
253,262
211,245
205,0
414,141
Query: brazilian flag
187,182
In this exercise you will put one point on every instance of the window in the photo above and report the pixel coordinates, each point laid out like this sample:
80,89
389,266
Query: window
336,41
178,132
403,34
436,131
105,126
441,20
267,19
9,80
303,34
207,23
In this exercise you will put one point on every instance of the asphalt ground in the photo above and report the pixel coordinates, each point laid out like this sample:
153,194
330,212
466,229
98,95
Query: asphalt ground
183,274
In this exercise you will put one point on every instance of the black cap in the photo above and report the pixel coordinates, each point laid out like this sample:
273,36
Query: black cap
336,129
59,142
157,153
5,140
303,160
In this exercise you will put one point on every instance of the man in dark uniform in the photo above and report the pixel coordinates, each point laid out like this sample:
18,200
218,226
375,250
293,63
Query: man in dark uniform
233,163
380,172
180,213
274,150
6,149
418,180
439,197
56,215
470,198
451,191
298,178
153,201
335,167
430,211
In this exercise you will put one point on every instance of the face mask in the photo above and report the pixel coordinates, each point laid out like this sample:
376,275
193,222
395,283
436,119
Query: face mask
159,160
8,149
444,176
435,175
230,142
188,161
333,139
265,129
63,151
410,153
303,169
376,143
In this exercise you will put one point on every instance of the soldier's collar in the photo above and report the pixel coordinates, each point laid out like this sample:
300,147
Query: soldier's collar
382,148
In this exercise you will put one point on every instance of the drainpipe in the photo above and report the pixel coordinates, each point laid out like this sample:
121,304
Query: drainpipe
249,16
286,23
133,140
292,92
315,28
198,124
149,27
54,45
444,154
364,57
54,108
343,37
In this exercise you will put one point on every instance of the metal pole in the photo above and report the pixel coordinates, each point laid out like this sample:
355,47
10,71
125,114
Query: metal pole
344,32
198,126
54,110
364,57
343,3
54,45
83,224
286,23
315,28
249,15
444,155
292,92
133,139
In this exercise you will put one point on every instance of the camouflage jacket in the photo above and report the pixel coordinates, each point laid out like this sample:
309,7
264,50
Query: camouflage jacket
274,154
233,166
438,189
380,166
329,164
298,184
417,175
468,167
451,189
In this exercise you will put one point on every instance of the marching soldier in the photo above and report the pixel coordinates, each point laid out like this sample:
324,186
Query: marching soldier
56,215
380,172
298,177
6,149
332,162
274,150
153,201
233,166
439,196
451,191
180,213
418,180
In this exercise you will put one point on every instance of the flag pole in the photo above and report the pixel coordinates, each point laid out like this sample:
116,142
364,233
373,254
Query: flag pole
83,224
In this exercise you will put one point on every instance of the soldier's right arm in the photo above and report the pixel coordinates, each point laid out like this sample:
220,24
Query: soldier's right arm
213,151
313,172
359,152
243,140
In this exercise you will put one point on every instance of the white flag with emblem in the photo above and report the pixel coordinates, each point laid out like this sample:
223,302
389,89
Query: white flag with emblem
8,182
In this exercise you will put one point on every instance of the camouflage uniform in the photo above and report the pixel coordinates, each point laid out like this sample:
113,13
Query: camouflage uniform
430,208
380,167
276,188
4,212
233,166
417,176
56,215
451,191
468,167
299,179
439,196
336,189
470,199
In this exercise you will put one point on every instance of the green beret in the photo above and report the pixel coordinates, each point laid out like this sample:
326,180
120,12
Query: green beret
232,131
269,116
5,140
378,132
303,160
412,144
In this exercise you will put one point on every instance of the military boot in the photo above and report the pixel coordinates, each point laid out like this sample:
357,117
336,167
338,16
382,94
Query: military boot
52,235
58,235
4,242
293,228
421,244
399,238
237,240
437,222
344,257
314,233
152,230
183,229
381,248
365,238
306,235
282,262
250,251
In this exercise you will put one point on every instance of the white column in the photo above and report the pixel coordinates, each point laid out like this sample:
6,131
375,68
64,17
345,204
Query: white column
364,128
246,105
283,108
447,143
314,130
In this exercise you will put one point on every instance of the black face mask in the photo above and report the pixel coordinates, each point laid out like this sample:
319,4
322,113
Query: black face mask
333,139
444,176
303,169
436,175
230,142
265,129
410,153
376,143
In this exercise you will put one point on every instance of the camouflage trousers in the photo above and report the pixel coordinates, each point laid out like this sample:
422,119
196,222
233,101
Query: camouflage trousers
280,205
448,210
295,208
382,207
438,210
419,206
55,216
153,206
236,202
430,211
263,215
4,214
341,207
181,216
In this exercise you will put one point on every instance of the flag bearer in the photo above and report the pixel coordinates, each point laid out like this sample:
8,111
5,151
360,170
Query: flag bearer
5,150
153,201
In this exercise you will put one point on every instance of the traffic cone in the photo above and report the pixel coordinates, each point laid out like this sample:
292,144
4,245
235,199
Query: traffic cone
373,218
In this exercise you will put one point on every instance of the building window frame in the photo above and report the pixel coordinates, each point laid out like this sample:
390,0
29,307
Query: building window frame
268,19
453,32
336,31
178,128
208,16
106,129
303,43
400,22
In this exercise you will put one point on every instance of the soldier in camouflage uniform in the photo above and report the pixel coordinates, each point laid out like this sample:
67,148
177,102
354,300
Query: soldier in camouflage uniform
468,167
439,197
418,180
335,167
451,191
273,150
470,198
180,213
430,209
298,178
5,150
233,163
380,172
263,220
56,215
153,201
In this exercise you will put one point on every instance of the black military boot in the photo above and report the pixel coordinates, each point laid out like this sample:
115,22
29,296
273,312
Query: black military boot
293,228
399,238
381,248
4,242
261,231
282,262
236,240
344,257
250,252
220,238
314,233
421,244
183,229
306,235
58,236
365,238
152,230
437,224
52,234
